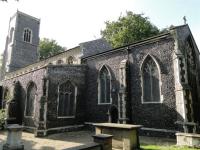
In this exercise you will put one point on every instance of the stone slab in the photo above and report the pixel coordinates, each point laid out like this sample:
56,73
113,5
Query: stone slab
188,139
116,125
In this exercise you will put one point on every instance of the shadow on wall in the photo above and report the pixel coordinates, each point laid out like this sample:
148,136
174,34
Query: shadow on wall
158,116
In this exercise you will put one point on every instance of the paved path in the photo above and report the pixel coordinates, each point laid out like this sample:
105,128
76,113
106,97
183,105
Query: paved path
71,139
52,142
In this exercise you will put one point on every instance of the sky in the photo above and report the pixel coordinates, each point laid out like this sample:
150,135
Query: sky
71,22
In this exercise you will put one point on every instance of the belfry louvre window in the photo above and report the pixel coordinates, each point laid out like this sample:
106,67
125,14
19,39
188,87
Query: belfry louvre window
27,35
30,100
150,81
66,100
104,86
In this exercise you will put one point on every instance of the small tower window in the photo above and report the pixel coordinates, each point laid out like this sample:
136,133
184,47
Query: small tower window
27,36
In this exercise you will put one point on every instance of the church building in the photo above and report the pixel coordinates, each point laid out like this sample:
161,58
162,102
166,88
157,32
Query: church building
153,82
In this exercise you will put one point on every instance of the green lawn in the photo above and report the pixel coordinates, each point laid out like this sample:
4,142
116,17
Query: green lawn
158,147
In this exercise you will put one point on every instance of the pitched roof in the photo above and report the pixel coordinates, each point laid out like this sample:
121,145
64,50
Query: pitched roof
94,47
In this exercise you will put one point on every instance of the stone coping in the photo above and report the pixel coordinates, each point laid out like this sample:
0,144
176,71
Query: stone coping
116,125
14,127
84,147
188,134
103,136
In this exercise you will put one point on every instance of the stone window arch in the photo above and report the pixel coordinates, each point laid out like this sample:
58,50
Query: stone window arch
70,60
151,81
104,86
30,99
67,92
27,35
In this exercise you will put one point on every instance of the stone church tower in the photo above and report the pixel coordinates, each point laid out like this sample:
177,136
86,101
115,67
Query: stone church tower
21,42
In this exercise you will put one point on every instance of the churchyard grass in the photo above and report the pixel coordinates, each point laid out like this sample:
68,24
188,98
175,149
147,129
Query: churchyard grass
159,147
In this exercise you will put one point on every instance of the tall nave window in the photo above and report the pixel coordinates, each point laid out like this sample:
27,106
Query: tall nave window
66,100
104,86
30,99
150,81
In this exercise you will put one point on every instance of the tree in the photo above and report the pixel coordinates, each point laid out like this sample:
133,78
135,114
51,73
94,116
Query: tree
128,29
48,48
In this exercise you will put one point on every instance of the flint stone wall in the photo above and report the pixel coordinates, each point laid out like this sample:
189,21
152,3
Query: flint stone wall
36,77
59,74
158,115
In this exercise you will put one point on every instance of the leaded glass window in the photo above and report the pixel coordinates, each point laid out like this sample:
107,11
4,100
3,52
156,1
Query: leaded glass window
150,81
31,95
66,102
104,86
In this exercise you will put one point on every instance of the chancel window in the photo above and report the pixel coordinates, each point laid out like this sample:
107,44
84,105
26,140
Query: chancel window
27,35
150,81
66,100
31,95
104,86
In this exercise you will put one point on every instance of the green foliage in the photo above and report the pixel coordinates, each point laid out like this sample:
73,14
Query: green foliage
2,118
159,147
48,48
128,29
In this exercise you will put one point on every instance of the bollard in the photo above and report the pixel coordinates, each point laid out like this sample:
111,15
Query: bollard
14,138
104,139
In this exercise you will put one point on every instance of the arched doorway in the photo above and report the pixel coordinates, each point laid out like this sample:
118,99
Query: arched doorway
113,114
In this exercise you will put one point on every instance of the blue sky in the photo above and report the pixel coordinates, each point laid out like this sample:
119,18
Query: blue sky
71,22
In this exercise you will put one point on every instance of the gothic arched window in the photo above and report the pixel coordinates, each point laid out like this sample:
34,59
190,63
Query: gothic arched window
27,35
66,100
150,81
30,99
104,86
